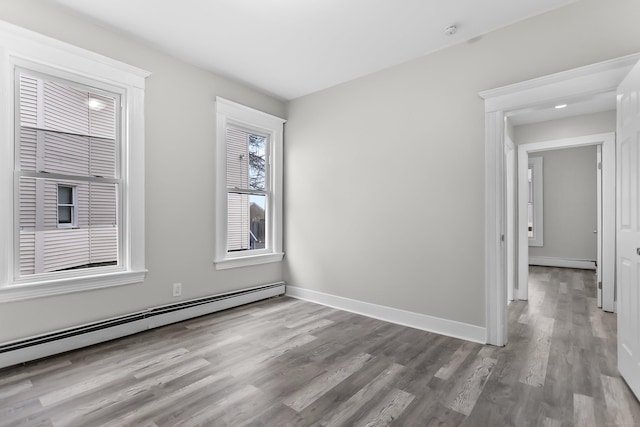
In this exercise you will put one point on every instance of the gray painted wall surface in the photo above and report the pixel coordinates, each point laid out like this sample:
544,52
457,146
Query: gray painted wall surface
587,124
385,174
569,193
569,181
180,170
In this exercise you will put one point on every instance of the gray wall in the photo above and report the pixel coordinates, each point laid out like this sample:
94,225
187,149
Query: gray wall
569,185
180,166
587,124
569,193
385,174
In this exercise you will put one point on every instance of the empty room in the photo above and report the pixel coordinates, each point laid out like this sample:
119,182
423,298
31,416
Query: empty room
296,213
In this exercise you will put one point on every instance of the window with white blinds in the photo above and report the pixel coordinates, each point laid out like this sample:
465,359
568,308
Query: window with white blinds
68,174
72,216
249,189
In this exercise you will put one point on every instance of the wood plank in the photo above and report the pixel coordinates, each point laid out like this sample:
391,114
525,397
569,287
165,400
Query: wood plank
466,391
455,361
389,409
583,411
303,398
535,368
347,409
618,407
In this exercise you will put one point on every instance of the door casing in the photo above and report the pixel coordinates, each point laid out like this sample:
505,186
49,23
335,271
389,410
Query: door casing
607,207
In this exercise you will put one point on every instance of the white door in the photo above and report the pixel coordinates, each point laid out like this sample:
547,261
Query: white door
599,225
628,228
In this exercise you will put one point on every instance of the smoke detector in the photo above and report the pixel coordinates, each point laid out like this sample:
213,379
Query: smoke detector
450,30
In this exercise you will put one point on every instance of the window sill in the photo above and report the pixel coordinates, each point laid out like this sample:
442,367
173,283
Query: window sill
29,290
249,260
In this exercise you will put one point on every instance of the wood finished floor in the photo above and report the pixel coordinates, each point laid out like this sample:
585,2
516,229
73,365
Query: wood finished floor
285,362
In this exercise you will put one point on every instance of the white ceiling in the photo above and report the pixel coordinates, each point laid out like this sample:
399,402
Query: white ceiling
290,48
574,107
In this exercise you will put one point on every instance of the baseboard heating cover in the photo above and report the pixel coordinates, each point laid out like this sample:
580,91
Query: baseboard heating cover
36,347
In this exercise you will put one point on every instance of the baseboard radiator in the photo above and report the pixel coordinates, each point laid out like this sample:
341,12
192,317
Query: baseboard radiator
32,348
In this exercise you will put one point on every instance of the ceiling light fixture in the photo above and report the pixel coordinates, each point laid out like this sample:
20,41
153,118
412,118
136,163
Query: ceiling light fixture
558,107
450,30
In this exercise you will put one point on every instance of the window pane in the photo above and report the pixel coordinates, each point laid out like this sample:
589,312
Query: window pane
257,229
64,214
237,159
246,222
45,247
103,210
530,225
257,161
246,160
65,195
68,130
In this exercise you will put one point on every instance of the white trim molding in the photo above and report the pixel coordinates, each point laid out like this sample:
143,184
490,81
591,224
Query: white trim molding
607,141
583,264
411,319
593,79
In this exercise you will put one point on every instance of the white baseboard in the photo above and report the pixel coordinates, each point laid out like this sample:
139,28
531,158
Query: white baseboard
583,264
424,322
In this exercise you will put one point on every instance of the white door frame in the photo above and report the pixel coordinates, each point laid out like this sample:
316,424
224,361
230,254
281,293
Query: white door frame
594,79
607,141
510,199
599,225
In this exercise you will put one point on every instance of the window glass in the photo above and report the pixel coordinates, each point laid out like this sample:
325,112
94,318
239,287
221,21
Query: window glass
68,189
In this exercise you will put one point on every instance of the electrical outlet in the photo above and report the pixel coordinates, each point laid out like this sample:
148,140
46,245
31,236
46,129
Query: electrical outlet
177,289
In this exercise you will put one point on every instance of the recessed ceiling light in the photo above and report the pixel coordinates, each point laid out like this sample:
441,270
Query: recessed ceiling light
560,106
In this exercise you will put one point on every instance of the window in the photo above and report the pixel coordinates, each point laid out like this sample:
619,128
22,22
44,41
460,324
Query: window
74,151
67,144
249,186
67,206
534,205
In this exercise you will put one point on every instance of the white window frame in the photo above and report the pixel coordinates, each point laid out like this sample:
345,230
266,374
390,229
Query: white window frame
230,113
73,205
21,48
535,163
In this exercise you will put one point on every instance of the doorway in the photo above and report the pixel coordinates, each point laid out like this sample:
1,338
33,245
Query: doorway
606,208
532,96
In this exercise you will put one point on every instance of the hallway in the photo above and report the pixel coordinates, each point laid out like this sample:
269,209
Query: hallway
560,363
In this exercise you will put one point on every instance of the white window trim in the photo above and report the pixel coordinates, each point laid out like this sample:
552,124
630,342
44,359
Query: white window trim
23,48
240,115
538,212
74,207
